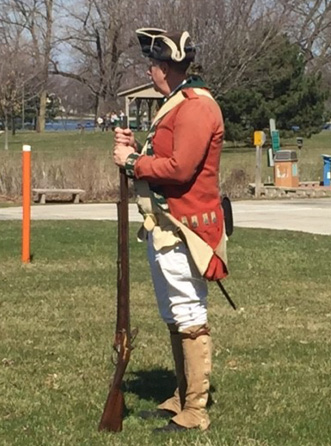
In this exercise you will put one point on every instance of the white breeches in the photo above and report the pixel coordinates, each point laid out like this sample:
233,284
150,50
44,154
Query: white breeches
181,292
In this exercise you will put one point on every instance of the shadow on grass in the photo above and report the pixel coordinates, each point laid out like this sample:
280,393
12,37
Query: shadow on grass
152,385
155,385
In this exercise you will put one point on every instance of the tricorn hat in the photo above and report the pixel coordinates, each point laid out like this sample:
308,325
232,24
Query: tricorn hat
162,45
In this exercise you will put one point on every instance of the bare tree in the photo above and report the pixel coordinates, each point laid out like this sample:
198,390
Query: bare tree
99,49
17,74
99,36
8,90
309,24
35,17
230,35
75,98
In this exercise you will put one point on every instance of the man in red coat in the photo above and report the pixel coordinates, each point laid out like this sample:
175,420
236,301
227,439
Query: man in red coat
179,168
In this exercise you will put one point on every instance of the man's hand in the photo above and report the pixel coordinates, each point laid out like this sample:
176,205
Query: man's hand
124,137
120,154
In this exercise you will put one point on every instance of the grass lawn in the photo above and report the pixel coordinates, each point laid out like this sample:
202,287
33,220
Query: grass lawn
51,146
272,363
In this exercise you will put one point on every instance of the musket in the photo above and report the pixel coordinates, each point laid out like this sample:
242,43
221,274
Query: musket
112,416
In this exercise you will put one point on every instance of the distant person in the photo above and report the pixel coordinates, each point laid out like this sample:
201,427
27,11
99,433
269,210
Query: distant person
108,122
114,120
121,115
144,124
100,122
81,128
103,125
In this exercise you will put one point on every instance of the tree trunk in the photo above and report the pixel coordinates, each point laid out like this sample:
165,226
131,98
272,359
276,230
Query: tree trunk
6,132
42,112
13,124
96,108
46,59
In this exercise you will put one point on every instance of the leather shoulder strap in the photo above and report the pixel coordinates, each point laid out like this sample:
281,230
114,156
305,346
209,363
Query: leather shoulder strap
203,92
168,106
190,93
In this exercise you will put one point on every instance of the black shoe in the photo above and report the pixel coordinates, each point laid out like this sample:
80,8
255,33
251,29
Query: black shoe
171,427
158,413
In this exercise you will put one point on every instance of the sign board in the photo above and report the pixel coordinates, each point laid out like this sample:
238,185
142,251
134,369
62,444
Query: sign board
275,140
259,138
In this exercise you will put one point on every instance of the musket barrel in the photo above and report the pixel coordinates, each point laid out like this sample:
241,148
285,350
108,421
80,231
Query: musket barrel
112,416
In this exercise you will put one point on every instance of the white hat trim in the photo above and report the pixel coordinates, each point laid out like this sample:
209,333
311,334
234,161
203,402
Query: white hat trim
176,55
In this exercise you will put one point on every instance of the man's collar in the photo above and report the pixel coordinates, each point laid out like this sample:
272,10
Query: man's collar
191,82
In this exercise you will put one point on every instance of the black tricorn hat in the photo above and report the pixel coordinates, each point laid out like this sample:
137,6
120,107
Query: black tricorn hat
162,45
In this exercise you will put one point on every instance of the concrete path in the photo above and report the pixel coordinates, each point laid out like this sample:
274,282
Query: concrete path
307,215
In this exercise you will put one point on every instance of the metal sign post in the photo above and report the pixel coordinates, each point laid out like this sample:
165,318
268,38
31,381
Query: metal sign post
259,140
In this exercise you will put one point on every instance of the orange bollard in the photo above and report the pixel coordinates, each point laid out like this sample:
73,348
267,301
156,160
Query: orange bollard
26,190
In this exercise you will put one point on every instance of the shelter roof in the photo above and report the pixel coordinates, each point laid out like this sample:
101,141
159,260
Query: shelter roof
145,91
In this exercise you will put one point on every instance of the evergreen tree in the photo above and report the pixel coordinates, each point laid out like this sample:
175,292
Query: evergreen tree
277,86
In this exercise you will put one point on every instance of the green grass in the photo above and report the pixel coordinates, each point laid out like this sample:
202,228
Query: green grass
56,145
62,143
271,368
59,142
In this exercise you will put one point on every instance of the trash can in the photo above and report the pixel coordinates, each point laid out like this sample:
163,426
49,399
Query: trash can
326,170
286,168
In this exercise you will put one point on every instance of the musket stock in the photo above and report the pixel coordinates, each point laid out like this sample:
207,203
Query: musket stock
112,416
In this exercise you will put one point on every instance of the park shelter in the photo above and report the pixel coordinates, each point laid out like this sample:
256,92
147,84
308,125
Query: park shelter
139,94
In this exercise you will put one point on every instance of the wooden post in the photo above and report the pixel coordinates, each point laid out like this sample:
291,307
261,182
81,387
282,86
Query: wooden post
26,181
258,171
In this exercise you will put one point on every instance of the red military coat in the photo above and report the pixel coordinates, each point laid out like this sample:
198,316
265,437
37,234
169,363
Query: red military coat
187,145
